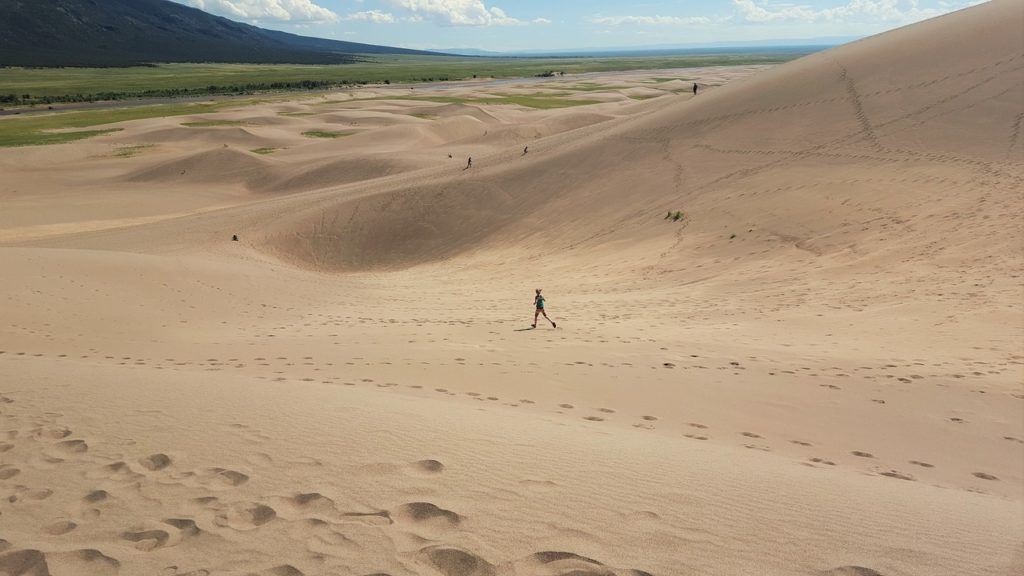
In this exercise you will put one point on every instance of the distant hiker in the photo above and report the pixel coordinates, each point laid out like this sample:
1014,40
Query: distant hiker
694,88
449,156
234,237
469,163
525,150
538,301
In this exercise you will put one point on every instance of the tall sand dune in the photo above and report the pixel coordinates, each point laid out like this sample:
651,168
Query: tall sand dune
884,142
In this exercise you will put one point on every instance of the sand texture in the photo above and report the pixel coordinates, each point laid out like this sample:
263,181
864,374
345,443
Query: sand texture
816,369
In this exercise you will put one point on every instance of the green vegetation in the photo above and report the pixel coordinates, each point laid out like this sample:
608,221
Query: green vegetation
674,216
213,123
264,150
131,151
48,85
297,114
41,138
35,130
646,96
326,134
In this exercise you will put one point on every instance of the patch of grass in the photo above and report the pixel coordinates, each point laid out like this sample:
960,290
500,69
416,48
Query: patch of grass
264,150
425,116
131,151
326,134
38,130
44,138
297,114
213,123
646,96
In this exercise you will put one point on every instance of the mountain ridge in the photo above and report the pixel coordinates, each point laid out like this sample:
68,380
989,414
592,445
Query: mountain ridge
80,33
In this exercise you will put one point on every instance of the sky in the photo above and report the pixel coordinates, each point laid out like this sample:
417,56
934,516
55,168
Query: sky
516,25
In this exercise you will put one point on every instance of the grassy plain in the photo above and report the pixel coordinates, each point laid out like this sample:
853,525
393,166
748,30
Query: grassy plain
43,128
173,79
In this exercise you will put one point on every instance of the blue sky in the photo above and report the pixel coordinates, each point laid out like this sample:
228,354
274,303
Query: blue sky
508,25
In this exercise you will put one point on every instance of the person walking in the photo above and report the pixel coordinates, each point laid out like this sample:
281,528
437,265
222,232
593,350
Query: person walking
694,88
469,163
538,302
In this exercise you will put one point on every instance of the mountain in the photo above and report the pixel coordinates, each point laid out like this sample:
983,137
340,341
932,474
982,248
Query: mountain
774,45
471,52
132,32
806,45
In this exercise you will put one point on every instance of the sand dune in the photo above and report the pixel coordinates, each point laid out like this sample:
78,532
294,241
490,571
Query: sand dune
814,369
213,166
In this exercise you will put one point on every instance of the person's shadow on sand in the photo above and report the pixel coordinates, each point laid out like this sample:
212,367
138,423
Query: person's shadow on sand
525,329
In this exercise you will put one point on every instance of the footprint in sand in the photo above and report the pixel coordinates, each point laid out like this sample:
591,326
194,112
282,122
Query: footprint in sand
698,426
51,433
594,418
155,462
427,466
751,435
41,494
245,516
451,561
860,454
851,571
984,476
30,562
185,526
897,475
566,406
426,513
800,443
695,437
60,527
225,477
822,461
147,540
922,464
118,471
96,496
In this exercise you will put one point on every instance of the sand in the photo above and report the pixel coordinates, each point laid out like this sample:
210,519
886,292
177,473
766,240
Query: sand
817,369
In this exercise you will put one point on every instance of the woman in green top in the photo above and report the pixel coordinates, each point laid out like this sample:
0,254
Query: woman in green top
538,301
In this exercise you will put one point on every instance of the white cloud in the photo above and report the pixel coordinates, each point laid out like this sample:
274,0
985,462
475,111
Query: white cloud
902,11
375,16
256,10
649,20
458,13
